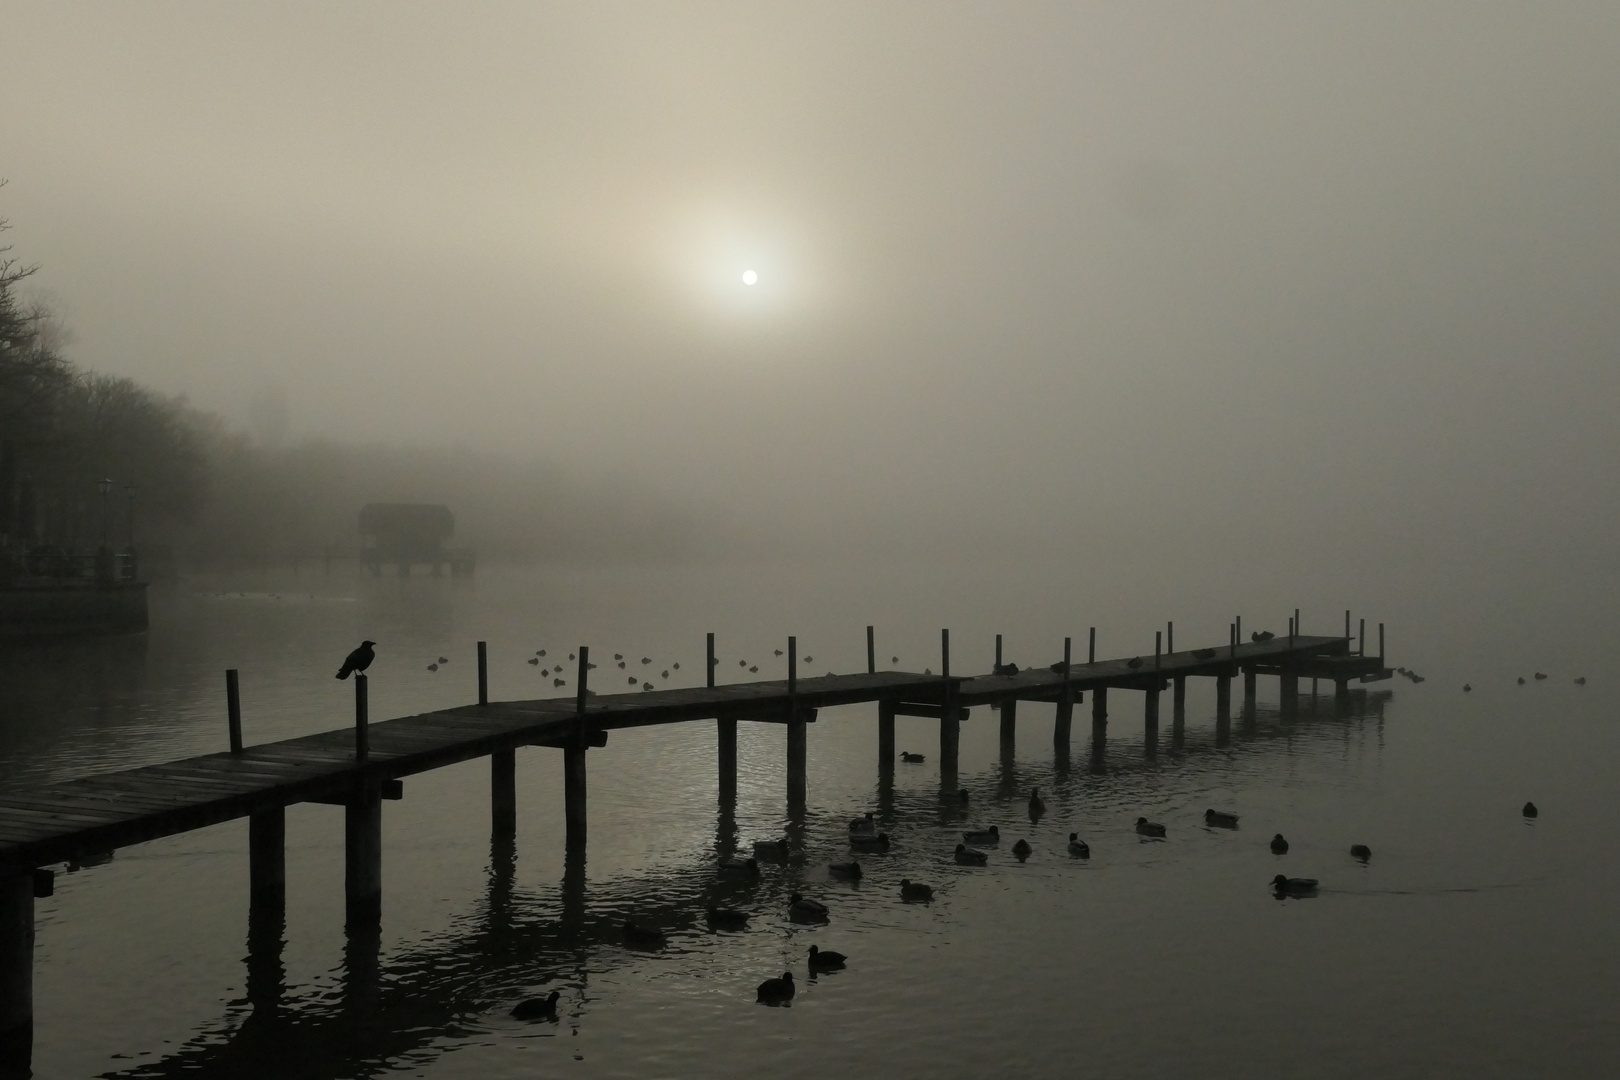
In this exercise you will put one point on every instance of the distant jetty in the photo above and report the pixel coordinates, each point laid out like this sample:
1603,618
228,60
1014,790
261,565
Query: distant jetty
47,593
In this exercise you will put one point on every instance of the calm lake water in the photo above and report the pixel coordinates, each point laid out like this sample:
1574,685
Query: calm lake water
1474,943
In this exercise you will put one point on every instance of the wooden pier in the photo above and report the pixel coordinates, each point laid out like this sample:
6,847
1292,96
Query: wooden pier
362,767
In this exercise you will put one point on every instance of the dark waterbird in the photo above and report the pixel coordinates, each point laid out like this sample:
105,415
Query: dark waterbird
776,850
1037,805
537,1008
1262,635
727,919
1149,828
1293,886
1360,851
826,960
1530,809
358,660
1540,675
911,759
992,835
642,937
915,892
444,659
862,842
1204,654
776,991
806,911
1134,662
1078,847
1022,849
1521,680
1581,681
865,824
1004,669
740,866
433,667
534,661
850,870
1220,819
967,856
1467,689
1279,846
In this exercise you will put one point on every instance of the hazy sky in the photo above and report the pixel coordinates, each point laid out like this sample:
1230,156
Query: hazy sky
1131,277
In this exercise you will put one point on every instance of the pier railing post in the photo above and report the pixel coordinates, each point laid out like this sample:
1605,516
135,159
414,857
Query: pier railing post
362,733
1158,643
1380,644
483,673
233,709
16,972
267,858
1091,646
1361,639
871,652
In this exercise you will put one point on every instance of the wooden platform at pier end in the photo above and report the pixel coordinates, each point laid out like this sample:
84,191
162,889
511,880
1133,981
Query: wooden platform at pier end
78,818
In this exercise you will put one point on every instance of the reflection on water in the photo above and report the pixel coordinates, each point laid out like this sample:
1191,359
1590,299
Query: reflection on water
1074,959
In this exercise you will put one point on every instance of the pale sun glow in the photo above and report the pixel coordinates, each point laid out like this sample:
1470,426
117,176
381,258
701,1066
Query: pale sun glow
749,277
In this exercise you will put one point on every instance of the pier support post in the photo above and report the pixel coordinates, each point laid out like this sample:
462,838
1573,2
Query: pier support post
1150,710
574,792
1178,701
267,859
1248,691
798,753
503,793
1009,727
886,738
1341,689
726,755
1061,724
1288,694
362,864
1223,697
950,735
16,972
1099,712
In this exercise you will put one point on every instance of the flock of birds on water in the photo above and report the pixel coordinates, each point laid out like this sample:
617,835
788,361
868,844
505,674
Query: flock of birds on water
549,668
864,836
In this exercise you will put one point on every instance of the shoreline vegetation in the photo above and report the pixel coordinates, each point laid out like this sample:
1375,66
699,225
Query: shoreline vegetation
187,490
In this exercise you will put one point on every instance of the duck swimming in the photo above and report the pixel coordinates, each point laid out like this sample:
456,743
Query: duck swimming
776,991
880,842
1022,849
808,911
537,1008
1293,886
1078,847
992,835
642,937
850,870
1279,846
1149,828
727,919
866,824
1037,805
915,891
966,856
776,850
1220,819
1360,851
1530,809
911,759
825,960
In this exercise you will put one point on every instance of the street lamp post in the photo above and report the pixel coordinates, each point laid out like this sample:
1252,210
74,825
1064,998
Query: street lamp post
104,561
130,488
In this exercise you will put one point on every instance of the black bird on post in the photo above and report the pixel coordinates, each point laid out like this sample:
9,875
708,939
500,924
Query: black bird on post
358,660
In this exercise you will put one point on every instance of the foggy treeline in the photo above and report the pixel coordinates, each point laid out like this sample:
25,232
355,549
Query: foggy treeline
185,484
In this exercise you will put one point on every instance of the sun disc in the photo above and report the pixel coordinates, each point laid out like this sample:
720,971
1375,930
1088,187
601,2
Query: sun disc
749,277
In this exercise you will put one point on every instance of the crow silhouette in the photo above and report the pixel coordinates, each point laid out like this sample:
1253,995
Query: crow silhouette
358,660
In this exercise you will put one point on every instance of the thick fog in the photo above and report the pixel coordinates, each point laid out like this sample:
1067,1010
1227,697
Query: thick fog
1321,292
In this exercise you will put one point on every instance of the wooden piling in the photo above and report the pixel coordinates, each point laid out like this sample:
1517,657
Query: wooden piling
503,793
233,710
1009,727
1288,693
886,737
1347,624
1178,703
1361,639
997,667
1091,648
1341,689
871,652
950,722
362,736
1150,709
1170,637
1248,691
1223,697
1158,636
362,863
798,749
267,858
1064,719
1380,643
725,740
1099,711
574,763
483,673
16,971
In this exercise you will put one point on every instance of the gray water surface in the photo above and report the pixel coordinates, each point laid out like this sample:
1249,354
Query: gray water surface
1474,943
